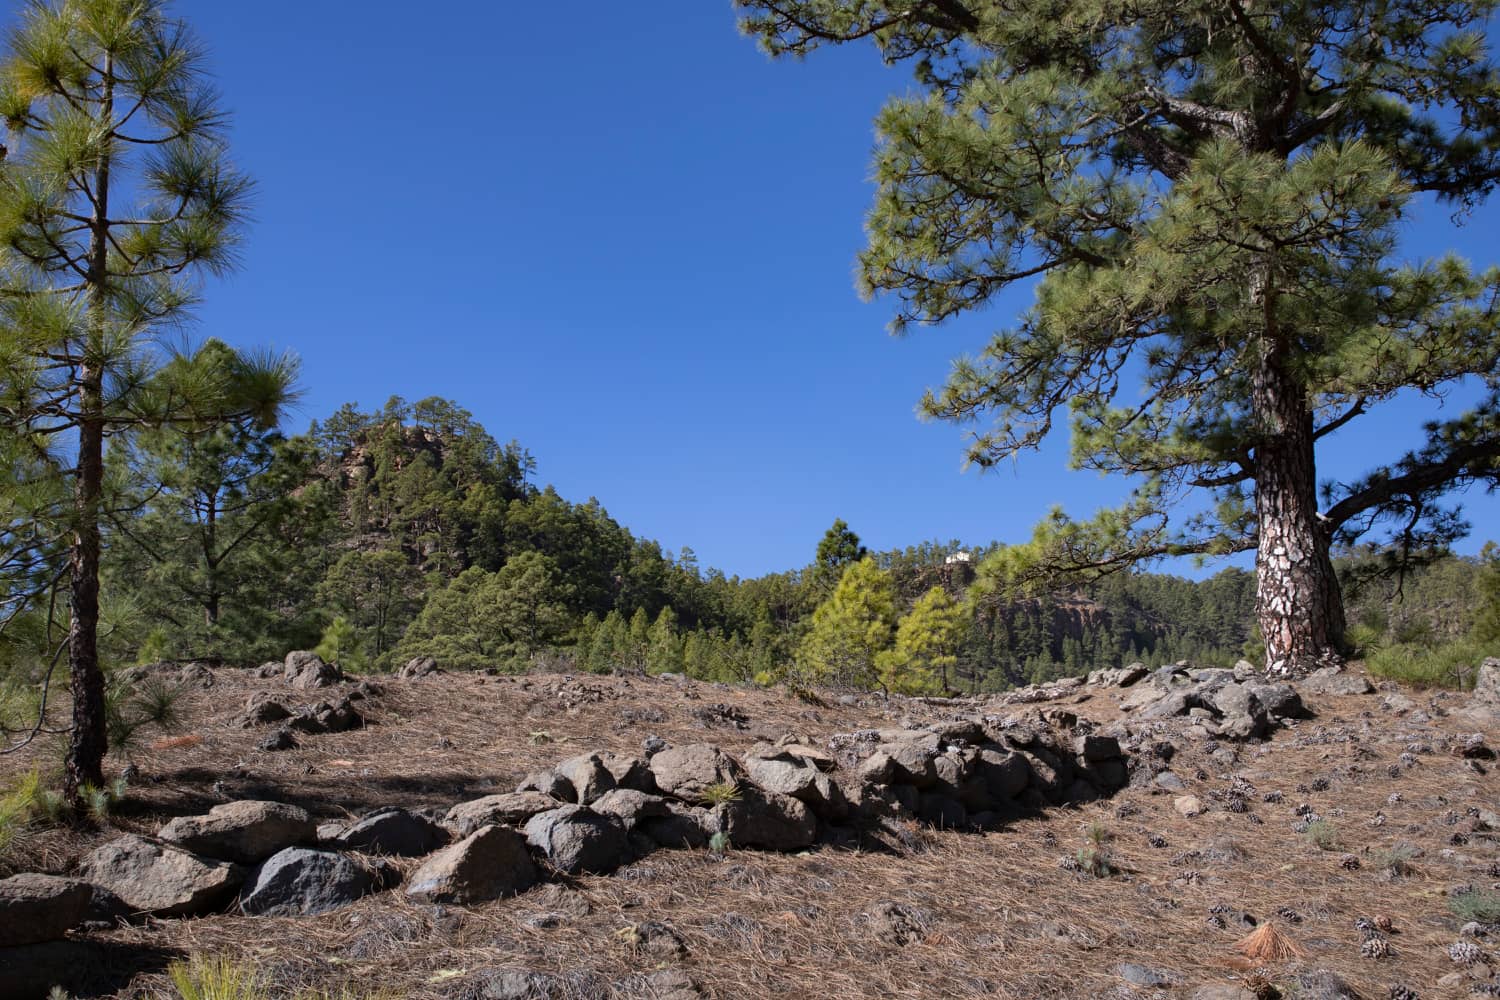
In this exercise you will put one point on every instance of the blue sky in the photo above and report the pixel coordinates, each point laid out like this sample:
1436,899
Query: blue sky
625,238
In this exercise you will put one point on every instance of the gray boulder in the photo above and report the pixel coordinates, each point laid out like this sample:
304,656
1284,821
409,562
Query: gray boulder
630,806
419,666
306,669
393,831
767,820
244,832
576,839
1336,681
161,879
1487,684
630,772
588,776
1281,700
327,717
262,710
1005,773
300,882
36,908
684,826
1244,717
914,762
491,863
510,809
549,783
778,770
688,771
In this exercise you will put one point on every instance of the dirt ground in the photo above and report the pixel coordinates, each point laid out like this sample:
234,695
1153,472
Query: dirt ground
995,914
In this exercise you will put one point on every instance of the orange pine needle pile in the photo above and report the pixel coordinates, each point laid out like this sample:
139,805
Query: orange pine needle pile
1267,944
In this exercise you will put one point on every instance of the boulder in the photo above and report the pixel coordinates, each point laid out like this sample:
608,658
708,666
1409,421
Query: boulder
510,809
877,769
630,772
161,879
1005,773
687,771
306,669
1336,681
1188,805
914,762
776,769
301,882
549,783
1095,748
1244,717
327,717
262,710
1281,700
1487,684
631,806
588,776
393,831
420,666
767,820
36,908
820,759
244,832
282,739
575,839
684,826
490,863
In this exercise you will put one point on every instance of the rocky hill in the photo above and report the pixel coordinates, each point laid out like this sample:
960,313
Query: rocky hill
1172,833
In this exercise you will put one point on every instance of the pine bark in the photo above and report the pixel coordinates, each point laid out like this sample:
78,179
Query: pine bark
85,758
1298,603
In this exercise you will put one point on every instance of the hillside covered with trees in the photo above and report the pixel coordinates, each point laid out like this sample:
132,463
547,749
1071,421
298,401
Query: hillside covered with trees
381,536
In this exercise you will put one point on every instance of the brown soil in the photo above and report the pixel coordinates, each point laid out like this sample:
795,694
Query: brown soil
989,914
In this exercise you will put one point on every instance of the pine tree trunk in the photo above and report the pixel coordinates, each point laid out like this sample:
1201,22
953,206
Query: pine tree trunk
90,737
1298,604
85,759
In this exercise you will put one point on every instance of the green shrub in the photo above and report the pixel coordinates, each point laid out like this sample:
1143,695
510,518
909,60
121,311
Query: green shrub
1322,834
1451,665
720,793
1476,906
222,978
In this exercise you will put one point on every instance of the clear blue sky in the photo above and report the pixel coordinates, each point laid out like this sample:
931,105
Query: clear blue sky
622,236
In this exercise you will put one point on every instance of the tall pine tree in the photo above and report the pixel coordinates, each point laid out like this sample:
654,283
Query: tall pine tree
114,195
1209,192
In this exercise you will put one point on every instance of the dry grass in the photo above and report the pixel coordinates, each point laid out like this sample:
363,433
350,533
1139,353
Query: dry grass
996,914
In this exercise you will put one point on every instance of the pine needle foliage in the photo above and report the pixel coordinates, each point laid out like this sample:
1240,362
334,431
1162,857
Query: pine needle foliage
1209,196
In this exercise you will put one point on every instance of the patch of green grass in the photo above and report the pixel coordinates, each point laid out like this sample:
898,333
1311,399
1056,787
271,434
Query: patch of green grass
1477,906
1323,835
1452,665
26,804
1397,860
221,978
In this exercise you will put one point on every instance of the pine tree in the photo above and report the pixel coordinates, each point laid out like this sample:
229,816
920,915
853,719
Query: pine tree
926,646
1210,193
666,647
838,549
115,192
851,628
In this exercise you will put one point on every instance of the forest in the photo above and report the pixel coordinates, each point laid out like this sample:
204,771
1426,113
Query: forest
410,531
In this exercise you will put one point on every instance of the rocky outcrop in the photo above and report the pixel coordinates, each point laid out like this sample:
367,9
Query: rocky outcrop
1234,705
161,879
244,832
